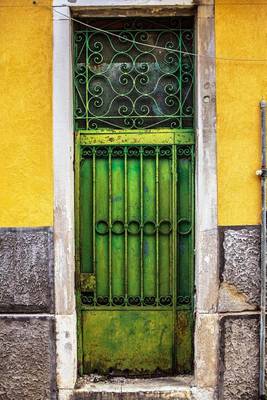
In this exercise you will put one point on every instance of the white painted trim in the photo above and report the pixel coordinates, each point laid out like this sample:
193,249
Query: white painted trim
122,3
206,165
64,201
66,344
63,164
206,260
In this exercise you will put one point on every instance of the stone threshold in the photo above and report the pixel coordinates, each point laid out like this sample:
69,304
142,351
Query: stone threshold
95,387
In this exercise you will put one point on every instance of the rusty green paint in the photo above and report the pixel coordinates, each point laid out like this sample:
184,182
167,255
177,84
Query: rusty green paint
88,282
184,340
134,199
127,342
151,136
117,264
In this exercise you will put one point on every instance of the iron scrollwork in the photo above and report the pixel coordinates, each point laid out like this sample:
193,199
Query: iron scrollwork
138,74
165,301
163,151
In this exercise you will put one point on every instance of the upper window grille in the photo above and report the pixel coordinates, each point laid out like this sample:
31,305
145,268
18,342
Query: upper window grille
121,83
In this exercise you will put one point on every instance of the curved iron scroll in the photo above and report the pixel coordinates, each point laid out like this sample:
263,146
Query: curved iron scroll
164,301
120,82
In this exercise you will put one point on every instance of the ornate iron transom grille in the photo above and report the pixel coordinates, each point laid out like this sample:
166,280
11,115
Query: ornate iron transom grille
120,82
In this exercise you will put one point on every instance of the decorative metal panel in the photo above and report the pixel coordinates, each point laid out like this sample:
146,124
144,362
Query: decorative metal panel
134,177
136,225
134,73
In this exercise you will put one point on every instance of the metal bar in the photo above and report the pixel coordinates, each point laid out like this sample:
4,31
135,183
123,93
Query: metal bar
77,252
263,254
141,225
192,188
157,226
110,223
172,222
140,131
94,220
100,136
180,80
125,224
75,102
148,117
87,79
174,256
123,308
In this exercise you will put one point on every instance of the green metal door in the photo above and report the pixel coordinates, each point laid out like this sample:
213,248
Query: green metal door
134,175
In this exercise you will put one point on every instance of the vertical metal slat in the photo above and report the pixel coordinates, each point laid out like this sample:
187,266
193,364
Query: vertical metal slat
141,224
174,257
94,220
157,225
125,224
110,223
172,222
87,79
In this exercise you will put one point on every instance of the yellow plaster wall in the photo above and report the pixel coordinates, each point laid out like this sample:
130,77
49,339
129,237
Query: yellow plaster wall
241,32
26,194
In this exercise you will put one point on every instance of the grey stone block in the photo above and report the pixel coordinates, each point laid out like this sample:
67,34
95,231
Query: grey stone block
27,354
26,270
240,267
239,361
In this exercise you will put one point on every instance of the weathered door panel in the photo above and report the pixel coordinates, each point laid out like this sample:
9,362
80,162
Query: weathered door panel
128,342
184,329
136,259
134,174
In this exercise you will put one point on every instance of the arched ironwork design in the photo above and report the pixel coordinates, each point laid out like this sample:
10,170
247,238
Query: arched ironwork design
134,74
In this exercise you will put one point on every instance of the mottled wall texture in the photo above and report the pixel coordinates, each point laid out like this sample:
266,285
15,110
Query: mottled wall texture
238,306
27,354
27,332
26,270
26,197
239,358
241,33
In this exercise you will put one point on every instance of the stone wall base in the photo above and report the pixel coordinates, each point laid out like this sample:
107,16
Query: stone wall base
27,354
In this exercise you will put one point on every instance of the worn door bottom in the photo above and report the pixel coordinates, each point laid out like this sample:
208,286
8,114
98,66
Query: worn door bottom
136,343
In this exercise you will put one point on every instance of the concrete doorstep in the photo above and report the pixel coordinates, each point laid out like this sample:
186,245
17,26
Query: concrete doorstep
96,387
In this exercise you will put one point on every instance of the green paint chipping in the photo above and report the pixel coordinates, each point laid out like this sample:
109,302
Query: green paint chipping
136,247
134,194
128,227
135,342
